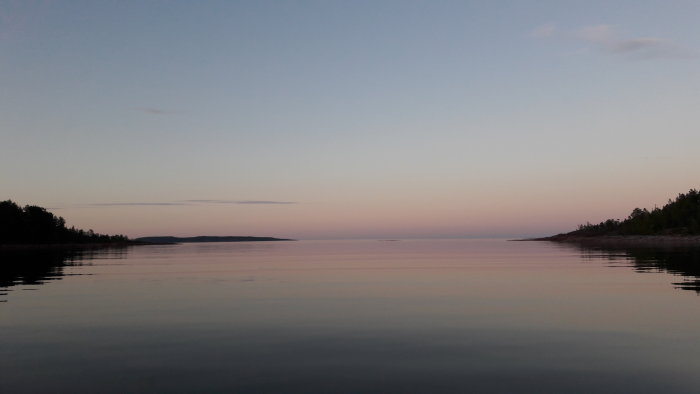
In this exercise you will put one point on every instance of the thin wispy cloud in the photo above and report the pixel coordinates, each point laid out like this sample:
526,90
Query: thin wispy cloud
190,203
154,111
261,202
147,204
210,201
264,202
609,40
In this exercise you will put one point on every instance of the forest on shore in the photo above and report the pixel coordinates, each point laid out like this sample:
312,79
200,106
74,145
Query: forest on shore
35,225
678,217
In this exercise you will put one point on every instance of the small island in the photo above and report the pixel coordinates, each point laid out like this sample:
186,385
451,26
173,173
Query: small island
206,238
677,222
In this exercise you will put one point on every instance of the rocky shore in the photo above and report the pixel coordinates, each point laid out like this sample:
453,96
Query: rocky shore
625,240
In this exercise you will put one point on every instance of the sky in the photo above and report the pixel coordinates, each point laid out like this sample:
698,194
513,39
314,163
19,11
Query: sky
347,119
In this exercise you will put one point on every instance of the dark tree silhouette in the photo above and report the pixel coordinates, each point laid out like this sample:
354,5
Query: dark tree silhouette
678,217
35,225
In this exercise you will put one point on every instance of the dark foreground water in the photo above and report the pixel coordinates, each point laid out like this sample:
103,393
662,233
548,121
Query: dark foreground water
351,317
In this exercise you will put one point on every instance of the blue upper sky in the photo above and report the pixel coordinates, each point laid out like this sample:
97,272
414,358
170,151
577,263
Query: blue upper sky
374,118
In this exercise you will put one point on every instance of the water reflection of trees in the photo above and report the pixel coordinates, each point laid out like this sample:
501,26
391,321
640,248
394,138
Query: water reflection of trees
39,265
680,260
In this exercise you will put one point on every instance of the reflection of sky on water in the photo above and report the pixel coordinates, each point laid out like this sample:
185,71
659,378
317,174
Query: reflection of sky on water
360,316
281,360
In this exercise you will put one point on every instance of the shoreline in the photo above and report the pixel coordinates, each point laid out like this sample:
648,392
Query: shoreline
91,245
169,239
623,240
101,245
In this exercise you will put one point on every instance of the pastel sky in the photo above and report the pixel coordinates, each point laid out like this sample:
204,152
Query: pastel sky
347,119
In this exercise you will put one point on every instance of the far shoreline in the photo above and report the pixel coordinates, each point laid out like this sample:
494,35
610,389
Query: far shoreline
165,240
57,246
623,240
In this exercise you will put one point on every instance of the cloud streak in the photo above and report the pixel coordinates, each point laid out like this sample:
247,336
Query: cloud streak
136,204
264,202
153,111
191,203
260,202
607,39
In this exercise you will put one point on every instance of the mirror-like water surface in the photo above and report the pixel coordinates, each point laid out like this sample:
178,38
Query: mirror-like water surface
351,316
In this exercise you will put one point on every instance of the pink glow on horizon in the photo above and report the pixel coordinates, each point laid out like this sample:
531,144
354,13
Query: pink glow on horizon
529,215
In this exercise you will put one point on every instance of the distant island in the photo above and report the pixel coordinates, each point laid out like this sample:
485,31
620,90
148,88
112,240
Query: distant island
29,226
206,238
33,225
678,221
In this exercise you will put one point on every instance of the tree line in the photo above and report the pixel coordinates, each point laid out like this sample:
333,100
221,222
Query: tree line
678,217
35,225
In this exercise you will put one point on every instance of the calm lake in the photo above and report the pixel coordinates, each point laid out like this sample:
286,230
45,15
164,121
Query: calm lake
413,316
